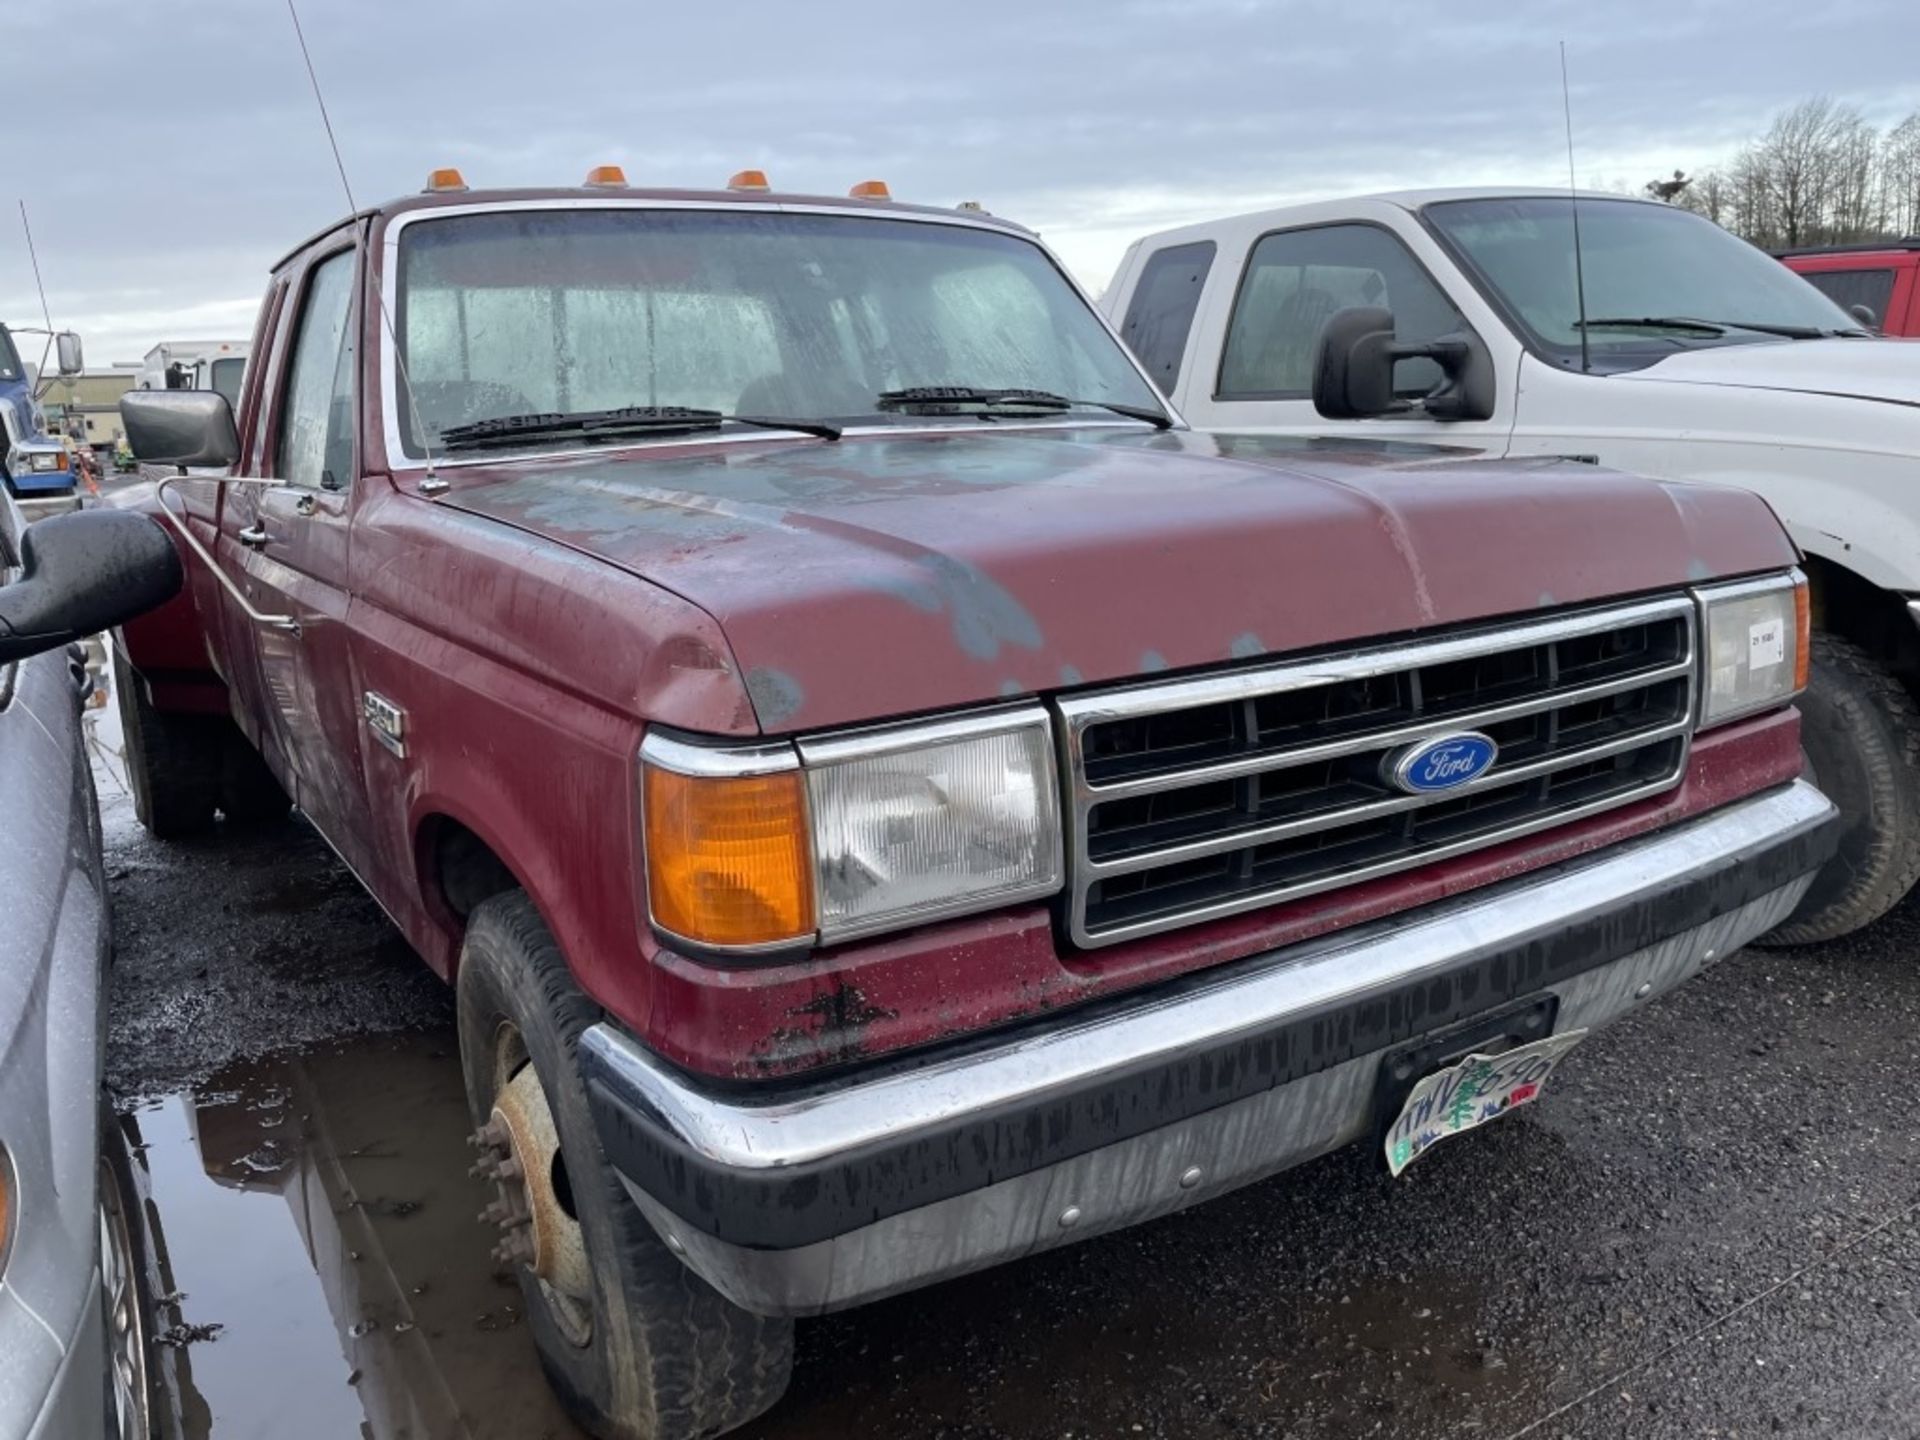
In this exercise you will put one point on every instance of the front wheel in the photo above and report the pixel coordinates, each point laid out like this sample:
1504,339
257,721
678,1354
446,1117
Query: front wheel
636,1345
1861,733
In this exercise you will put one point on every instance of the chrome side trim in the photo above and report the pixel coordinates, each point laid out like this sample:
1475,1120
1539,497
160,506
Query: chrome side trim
1081,713
389,259
721,761
838,1118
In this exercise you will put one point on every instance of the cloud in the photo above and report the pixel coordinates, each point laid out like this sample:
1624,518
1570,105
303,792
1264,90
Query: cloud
200,159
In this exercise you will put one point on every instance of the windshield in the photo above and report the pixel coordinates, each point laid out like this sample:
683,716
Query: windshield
741,312
1642,262
9,357
226,378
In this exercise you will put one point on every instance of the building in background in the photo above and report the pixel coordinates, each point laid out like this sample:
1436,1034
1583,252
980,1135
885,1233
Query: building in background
85,408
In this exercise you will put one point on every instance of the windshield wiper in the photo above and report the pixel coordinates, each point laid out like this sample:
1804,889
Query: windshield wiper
984,398
628,420
1651,322
1717,327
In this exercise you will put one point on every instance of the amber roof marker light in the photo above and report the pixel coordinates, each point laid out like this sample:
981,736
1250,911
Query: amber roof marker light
444,181
750,181
870,190
606,177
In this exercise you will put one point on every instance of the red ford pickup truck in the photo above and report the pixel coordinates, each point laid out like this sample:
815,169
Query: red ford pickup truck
890,797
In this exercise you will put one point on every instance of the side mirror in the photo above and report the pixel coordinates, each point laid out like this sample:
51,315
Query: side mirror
180,427
1353,367
66,352
83,573
1864,314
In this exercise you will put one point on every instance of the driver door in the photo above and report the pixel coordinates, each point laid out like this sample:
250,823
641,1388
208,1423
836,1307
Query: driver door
292,541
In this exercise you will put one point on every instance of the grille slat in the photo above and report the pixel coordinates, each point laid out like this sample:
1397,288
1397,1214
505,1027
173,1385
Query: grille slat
1204,797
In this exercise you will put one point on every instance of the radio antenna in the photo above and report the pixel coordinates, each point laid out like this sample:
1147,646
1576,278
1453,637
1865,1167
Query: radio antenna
41,383
430,484
1573,199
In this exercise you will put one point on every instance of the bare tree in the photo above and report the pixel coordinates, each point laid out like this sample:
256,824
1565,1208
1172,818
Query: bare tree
1900,176
1820,174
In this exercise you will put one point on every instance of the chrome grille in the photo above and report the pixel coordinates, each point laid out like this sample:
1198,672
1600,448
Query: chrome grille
1203,797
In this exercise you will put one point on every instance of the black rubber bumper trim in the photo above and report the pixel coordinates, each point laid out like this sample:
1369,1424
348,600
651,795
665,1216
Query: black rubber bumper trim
799,1205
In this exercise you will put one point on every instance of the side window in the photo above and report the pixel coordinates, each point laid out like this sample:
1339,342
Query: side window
1160,315
1296,279
1846,288
316,419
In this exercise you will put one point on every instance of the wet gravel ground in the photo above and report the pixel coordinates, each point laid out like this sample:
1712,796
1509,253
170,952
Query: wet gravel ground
1709,1227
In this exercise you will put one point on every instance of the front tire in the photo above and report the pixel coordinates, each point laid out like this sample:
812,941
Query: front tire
1861,733
636,1345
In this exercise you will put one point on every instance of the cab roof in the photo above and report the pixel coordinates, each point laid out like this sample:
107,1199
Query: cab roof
588,197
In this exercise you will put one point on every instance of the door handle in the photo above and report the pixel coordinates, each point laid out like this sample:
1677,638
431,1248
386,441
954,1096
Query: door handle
254,536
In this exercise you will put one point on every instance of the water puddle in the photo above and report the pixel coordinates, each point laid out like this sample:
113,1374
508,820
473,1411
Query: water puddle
314,1223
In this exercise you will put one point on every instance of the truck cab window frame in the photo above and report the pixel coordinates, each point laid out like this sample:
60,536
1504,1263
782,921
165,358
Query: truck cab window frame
313,431
1160,313
1430,314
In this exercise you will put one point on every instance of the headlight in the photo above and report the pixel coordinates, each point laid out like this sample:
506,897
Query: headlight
768,847
1757,645
43,461
932,820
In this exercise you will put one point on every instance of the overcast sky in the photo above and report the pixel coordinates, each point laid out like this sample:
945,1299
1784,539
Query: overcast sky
172,151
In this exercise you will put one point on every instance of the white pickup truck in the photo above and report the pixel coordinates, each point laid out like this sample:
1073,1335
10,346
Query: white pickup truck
1455,317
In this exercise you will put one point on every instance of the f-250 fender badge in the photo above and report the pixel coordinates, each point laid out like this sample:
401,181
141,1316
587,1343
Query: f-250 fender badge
1444,762
387,721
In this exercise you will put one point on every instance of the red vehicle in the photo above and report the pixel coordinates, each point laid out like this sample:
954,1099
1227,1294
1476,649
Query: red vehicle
1881,278
889,796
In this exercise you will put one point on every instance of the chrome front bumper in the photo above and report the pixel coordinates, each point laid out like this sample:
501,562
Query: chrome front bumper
806,1199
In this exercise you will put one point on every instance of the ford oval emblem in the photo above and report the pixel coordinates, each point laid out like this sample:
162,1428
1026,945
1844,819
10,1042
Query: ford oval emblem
1445,762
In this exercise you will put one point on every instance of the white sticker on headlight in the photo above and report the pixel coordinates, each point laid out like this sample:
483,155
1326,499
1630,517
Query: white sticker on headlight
1766,645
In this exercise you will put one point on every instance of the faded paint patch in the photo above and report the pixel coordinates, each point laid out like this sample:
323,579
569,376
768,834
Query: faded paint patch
1245,646
1070,675
776,694
1698,569
1152,662
1546,600
984,613
1011,686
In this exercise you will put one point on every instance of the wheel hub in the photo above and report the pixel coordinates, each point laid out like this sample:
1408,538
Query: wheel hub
520,1153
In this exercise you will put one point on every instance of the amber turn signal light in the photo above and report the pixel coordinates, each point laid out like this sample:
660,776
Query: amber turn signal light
727,857
1802,632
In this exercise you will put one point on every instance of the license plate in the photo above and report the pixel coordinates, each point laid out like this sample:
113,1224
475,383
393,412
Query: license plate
1468,1093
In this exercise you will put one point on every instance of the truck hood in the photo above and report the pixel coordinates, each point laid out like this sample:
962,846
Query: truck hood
1884,370
890,575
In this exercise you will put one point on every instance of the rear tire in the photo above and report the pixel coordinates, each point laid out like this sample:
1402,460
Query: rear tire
1861,733
652,1352
173,761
